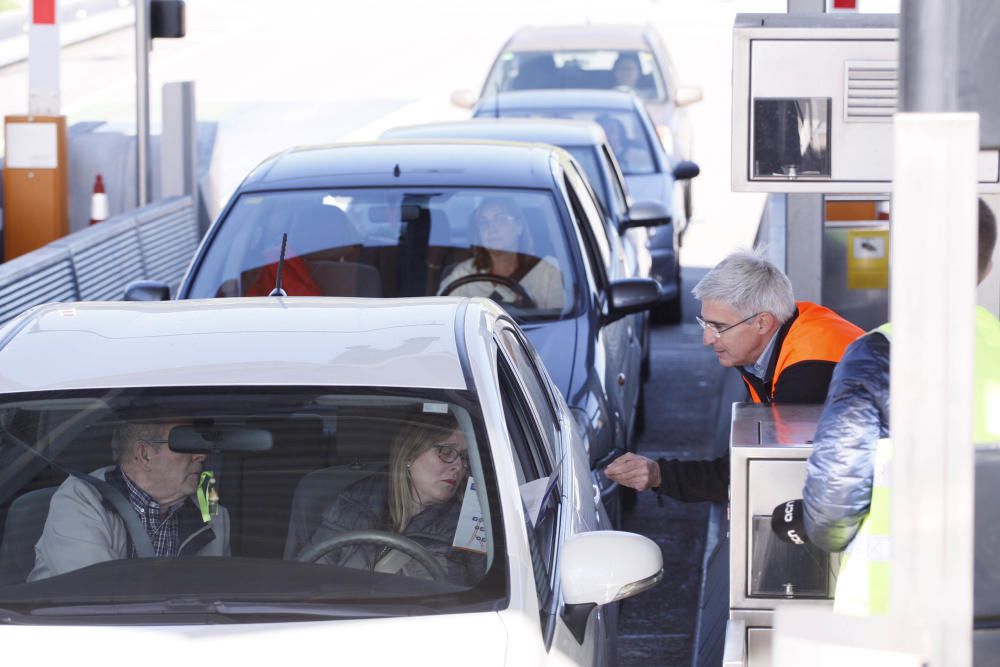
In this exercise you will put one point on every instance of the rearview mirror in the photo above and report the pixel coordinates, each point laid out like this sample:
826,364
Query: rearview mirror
463,99
147,290
687,95
685,170
588,581
631,295
646,213
219,439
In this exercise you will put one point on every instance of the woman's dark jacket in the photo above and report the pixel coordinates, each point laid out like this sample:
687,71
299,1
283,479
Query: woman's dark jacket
364,506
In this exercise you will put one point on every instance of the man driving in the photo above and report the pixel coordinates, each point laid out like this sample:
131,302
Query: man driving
159,484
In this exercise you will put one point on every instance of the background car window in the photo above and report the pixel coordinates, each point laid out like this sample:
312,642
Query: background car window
616,185
624,129
508,245
590,216
533,70
587,159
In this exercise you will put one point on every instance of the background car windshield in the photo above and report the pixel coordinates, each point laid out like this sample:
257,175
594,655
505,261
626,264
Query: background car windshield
508,245
534,70
292,468
624,129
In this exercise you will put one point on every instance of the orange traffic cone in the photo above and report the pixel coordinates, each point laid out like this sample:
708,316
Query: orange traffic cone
98,202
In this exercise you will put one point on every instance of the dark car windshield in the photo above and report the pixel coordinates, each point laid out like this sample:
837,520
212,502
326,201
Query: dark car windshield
624,129
508,245
265,484
603,69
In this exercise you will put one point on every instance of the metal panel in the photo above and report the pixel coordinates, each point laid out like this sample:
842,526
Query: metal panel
97,263
168,240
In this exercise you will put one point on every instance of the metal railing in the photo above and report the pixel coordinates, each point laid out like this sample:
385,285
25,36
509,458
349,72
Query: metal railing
155,242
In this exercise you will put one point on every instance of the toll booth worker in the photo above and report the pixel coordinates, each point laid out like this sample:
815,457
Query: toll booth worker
785,351
845,499
160,486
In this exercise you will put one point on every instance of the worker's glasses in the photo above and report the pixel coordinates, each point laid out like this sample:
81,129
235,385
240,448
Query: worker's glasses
449,454
719,329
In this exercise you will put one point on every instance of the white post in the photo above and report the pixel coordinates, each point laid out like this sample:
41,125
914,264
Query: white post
933,246
144,186
43,59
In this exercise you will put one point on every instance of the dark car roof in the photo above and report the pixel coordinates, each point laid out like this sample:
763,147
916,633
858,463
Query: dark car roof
408,164
578,37
557,131
560,98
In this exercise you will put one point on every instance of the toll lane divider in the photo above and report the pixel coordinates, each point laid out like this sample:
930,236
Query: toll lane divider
155,242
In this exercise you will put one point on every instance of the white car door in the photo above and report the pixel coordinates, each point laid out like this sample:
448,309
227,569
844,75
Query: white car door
552,479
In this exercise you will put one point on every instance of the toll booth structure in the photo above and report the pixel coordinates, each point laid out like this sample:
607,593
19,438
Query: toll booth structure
825,140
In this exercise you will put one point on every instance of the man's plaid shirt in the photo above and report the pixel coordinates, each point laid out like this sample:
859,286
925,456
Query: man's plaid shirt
161,526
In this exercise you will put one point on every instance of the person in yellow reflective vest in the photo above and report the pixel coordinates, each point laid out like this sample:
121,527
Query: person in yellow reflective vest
845,501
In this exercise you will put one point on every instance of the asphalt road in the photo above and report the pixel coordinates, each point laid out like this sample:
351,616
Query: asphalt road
682,403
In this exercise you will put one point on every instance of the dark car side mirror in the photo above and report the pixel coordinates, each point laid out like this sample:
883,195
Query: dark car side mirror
147,290
631,295
646,213
685,170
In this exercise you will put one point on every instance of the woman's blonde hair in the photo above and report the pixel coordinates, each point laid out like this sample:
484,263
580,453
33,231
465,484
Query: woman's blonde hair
415,438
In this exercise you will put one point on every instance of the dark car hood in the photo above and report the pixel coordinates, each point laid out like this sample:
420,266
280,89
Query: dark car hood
657,187
555,343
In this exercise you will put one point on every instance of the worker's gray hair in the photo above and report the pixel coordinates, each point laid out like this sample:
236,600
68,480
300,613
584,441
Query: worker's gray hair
749,283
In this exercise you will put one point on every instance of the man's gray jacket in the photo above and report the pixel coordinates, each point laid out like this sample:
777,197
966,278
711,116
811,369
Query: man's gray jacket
82,530
840,471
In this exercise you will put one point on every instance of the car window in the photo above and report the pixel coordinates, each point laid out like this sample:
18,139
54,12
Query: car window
540,493
624,129
631,70
590,216
538,394
587,157
263,482
617,186
507,245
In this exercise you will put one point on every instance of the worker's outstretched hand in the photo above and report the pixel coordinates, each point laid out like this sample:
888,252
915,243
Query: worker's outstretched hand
634,471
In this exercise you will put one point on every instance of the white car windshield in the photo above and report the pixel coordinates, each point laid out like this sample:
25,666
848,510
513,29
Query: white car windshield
508,245
602,69
290,503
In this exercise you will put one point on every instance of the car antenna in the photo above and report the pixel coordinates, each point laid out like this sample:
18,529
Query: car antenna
277,291
496,102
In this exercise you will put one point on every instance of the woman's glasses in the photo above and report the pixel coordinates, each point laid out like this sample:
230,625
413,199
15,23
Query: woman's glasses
498,220
449,454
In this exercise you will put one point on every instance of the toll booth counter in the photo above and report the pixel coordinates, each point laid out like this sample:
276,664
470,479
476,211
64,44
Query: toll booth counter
769,448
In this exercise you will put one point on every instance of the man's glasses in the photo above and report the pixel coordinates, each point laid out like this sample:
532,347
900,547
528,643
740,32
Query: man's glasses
448,454
719,329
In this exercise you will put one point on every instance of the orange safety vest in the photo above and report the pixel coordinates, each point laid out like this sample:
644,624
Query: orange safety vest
816,334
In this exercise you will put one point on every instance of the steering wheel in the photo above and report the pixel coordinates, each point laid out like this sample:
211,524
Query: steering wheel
381,538
524,300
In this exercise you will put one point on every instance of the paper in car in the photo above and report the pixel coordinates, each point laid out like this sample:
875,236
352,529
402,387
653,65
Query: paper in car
470,534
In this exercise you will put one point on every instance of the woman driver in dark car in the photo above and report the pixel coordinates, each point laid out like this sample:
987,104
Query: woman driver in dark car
419,498
504,253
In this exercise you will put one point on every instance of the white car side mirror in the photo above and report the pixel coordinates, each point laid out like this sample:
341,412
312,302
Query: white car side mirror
686,95
463,99
602,566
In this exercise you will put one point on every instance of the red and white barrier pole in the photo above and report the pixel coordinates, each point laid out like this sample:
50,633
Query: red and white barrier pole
98,202
43,59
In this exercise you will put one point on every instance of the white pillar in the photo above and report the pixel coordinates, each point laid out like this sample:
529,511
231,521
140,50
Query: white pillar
43,59
933,280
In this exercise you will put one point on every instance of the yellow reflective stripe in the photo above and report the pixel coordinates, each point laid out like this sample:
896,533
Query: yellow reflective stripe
877,522
878,588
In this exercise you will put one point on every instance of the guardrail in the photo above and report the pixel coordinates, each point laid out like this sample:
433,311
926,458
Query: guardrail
155,242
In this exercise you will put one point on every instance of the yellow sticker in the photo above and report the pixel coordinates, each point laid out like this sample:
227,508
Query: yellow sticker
868,259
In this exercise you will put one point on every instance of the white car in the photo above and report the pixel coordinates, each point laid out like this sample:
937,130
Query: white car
316,418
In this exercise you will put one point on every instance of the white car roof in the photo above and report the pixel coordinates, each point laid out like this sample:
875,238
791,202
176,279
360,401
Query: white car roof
249,341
